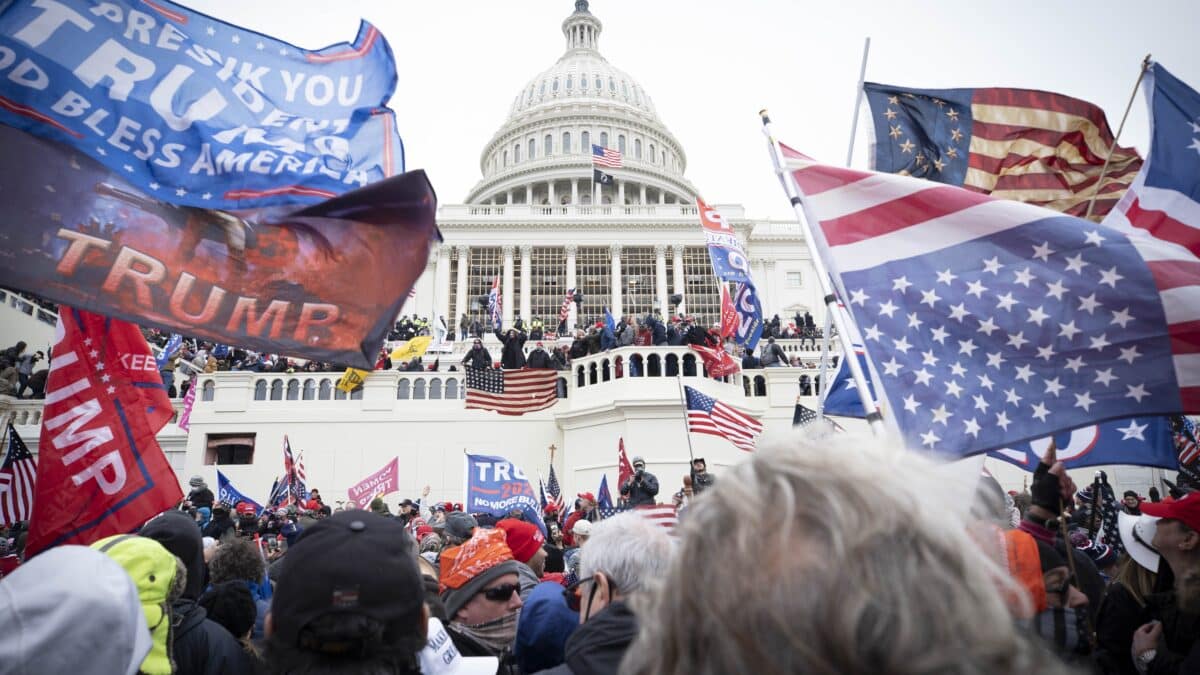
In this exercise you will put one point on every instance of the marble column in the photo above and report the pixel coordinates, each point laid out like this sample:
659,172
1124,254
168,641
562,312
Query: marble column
509,195
570,250
574,191
617,282
506,286
460,292
550,191
526,281
441,287
621,192
660,278
642,194
680,285
529,194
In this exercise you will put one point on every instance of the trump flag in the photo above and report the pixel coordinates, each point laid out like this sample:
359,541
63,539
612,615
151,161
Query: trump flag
100,469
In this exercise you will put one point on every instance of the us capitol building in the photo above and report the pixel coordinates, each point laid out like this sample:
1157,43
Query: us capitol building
536,220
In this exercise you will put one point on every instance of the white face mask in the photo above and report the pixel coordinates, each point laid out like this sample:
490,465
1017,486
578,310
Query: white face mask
497,634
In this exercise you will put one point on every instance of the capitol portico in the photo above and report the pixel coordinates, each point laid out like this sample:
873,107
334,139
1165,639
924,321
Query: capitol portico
538,221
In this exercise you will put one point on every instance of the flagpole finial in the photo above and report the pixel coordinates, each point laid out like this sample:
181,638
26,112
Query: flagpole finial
766,118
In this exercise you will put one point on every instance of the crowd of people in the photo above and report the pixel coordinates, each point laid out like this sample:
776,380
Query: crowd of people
841,555
23,372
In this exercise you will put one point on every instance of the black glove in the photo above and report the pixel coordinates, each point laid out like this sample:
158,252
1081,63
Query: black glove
1045,490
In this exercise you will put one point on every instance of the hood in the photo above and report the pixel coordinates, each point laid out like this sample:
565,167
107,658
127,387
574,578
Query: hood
159,577
179,535
599,645
546,624
72,609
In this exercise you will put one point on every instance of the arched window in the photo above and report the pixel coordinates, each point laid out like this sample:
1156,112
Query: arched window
532,149
585,144
624,89
570,82
451,388
260,390
604,139
402,389
612,85
517,153
419,389
207,390
554,88
664,157
599,85
505,158
357,394
651,153
435,389
548,144
310,390
566,148
325,390
621,143
583,81
293,390
276,390
542,91
637,148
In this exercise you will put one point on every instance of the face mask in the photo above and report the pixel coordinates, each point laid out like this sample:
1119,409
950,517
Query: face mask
1064,629
497,634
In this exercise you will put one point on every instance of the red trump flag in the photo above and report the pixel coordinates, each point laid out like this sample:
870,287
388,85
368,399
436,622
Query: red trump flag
100,469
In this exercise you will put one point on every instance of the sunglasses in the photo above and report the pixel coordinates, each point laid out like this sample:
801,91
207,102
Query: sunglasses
572,593
501,593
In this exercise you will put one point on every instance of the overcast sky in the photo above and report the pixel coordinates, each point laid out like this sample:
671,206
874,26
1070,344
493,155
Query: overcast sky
710,65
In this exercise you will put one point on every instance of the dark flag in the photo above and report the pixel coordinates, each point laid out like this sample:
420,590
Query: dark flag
602,178
100,469
322,283
803,415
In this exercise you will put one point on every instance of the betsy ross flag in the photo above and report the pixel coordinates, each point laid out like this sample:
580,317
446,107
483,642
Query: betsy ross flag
511,392
18,480
1035,147
992,322
606,157
707,415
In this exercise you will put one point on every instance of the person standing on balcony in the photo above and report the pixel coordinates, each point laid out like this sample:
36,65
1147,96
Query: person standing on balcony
539,358
464,327
478,357
25,365
512,356
773,356
641,488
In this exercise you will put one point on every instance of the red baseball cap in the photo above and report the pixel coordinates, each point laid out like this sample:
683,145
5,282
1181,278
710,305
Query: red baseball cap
587,495
1186,510
246,509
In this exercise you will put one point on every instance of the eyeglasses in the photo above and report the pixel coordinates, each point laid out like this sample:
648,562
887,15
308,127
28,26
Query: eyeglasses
501,593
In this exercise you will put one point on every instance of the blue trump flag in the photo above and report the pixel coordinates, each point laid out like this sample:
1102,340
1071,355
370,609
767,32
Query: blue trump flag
497,486
227,494
603,496
171,347
199,112
1137,441
729,263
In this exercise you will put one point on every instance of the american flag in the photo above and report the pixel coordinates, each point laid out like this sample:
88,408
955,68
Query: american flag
18,477
606,157
564,310
511,392
1185,442
991,321
1032,146
293,471
707,415
553,489
663,515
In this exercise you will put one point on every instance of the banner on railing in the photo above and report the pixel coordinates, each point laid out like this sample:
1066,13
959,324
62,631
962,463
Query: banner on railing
321,283
196,111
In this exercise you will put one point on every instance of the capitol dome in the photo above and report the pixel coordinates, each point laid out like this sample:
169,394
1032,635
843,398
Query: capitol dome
542,153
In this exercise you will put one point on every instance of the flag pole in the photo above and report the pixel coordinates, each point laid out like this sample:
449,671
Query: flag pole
840,320
1120,128
822,382
862,76
686,430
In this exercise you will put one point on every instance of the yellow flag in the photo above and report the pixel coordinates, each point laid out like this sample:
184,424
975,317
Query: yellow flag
352,379
407,351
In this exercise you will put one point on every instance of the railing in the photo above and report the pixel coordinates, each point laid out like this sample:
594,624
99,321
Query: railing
808,349
452,211
587,373
28,412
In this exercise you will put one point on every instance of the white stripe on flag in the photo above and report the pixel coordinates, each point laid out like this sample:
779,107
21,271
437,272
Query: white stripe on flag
864,194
